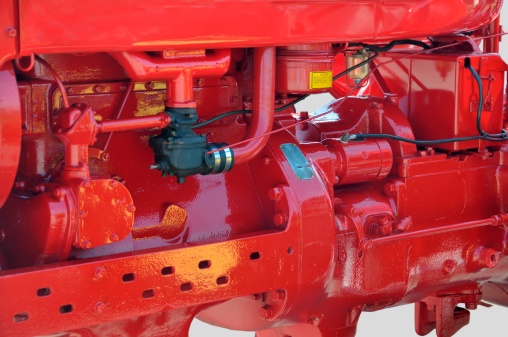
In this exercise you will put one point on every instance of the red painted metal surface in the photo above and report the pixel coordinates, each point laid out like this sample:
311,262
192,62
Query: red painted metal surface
308,230
10,130
257,23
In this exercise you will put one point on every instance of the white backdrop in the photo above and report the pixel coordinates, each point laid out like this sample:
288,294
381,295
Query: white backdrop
399,321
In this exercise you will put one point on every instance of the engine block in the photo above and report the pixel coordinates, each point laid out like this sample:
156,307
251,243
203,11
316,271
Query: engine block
154,168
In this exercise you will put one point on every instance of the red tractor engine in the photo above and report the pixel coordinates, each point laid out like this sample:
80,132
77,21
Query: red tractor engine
154,168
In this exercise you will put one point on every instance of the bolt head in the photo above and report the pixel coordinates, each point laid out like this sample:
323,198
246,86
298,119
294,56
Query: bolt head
114,237
99,307
86,244
280,219
275,194
265,312
11,32
100,273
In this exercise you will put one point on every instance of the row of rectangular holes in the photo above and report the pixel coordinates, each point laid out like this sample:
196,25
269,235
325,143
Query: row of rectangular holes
184,287
129,277
24,316
205,264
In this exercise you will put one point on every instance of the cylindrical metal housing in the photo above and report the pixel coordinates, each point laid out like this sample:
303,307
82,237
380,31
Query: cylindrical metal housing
362,161
303,69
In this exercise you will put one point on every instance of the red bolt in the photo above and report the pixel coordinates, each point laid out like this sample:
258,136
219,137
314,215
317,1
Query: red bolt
114,237
223,81
99,307
149,85
58,193
199,82
234,99
266,160
87,244
11,32
280,219
389,188
113,183
471,306
275,194
314,320
100,273
39,188
448,266
82,214
131,208
85,184
98,88
20,184
277,295
69,90
104,156
265,312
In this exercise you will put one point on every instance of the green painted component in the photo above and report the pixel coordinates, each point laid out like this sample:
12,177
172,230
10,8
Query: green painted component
298,162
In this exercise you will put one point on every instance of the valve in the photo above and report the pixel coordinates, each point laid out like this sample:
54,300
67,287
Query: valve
180,152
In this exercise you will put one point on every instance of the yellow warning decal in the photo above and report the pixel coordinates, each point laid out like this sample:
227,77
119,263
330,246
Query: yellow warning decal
320,79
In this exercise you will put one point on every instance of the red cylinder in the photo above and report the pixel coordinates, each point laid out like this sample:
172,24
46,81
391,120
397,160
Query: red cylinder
304,69
363,161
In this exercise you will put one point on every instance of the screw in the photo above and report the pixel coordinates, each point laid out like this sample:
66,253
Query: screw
266,160
86,244
114,237
98,88
113,183
82,214
149,86
11,32
131,208
265,312
69,90
85,184
99,307
223,81
104,156
199,82
100,273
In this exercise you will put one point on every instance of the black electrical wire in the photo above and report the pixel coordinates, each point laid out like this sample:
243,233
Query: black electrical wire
467,64
482,134
284,107
396,43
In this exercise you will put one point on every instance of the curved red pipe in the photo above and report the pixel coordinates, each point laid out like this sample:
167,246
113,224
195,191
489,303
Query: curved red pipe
263,105
146,67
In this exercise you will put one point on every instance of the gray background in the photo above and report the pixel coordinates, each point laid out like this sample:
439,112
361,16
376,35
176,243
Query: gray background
393,322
